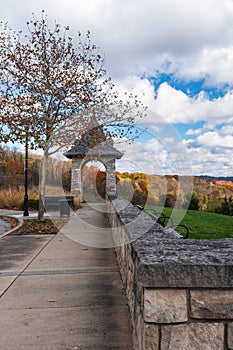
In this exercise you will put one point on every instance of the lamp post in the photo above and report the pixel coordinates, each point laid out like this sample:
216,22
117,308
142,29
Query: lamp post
26,213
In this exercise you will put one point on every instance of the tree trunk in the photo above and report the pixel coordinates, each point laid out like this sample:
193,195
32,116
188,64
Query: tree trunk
44,166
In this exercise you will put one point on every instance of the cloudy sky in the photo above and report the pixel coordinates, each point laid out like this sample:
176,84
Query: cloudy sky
179,53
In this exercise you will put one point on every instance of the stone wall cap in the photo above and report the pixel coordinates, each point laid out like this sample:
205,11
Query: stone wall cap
184,263
163,260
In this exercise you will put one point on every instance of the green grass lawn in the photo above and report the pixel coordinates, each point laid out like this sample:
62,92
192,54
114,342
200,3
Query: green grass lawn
201,225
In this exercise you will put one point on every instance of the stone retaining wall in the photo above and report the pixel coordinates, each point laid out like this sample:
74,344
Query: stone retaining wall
180,292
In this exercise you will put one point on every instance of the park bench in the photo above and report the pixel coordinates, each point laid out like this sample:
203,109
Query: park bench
63,203
161,219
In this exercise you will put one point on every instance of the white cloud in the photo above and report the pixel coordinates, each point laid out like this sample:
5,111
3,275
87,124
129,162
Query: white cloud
157,155
169,140
214,139
205,161
208,152
211,152
194,132
213,64
177,107
227,130
174,106
140,36
140,87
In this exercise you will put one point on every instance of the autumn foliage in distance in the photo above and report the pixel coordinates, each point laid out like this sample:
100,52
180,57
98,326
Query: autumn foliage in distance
213,196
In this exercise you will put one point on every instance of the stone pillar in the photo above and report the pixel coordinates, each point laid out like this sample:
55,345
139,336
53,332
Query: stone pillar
110,175
76,178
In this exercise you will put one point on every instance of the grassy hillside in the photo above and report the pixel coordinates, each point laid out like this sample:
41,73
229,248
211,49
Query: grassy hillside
202,225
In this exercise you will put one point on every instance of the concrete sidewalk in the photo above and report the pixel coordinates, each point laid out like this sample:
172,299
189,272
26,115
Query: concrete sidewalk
57,294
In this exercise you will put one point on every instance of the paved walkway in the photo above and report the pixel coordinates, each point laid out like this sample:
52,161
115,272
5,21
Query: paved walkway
58,294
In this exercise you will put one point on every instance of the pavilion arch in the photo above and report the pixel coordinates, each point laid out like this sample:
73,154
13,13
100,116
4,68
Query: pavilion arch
93,181
82,153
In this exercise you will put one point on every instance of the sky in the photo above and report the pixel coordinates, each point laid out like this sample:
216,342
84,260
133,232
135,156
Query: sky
178,56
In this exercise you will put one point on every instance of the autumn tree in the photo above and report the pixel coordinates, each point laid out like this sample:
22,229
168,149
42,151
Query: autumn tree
194,202
3,171
94,182
51,86
226,206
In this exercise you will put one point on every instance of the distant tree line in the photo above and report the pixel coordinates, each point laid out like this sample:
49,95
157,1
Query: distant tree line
138,188
12,170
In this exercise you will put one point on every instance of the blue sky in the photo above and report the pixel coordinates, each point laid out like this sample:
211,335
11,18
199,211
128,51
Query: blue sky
177,55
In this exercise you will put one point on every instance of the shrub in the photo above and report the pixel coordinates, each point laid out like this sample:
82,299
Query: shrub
13,198
33,204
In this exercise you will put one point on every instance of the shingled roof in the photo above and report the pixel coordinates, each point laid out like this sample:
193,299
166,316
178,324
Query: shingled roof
93,143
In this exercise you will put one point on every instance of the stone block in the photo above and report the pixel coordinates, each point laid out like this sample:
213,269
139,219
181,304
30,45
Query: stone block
212,304
151,337
193,336
181,263
165,306
230,336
